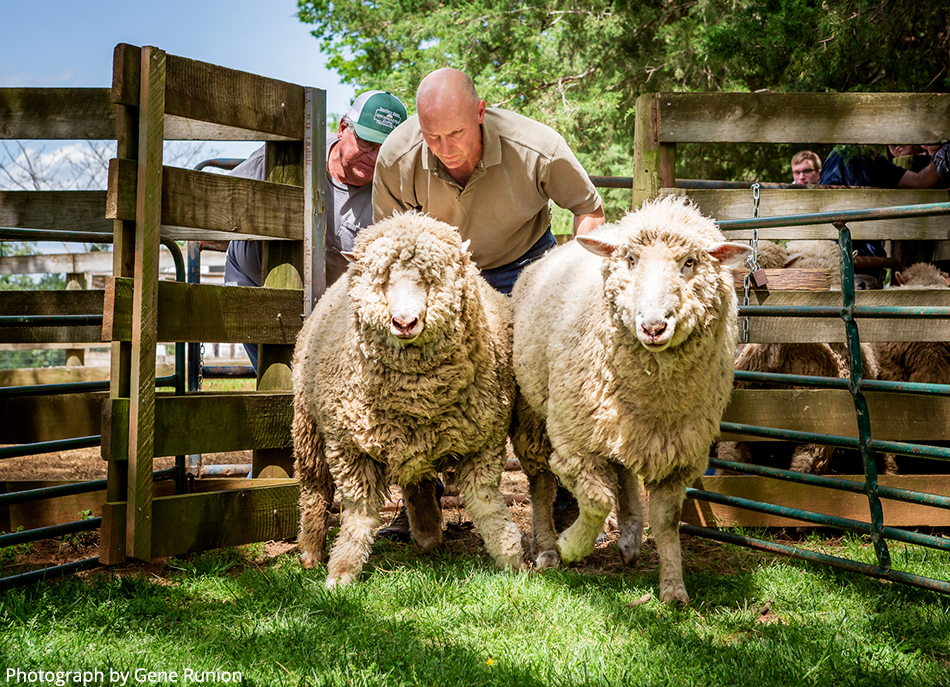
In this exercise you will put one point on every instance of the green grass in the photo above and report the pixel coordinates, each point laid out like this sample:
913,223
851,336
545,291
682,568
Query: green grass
450,619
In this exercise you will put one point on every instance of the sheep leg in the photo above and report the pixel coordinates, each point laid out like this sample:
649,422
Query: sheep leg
666,503
629,514
542,487
478,478
316,486
594,489
425,515
362,500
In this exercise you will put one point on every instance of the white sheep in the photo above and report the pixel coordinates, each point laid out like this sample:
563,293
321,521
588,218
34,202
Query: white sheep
917,361
624,353
402,370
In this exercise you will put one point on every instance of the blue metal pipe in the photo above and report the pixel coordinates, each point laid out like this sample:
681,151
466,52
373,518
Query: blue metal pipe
49,573
46,446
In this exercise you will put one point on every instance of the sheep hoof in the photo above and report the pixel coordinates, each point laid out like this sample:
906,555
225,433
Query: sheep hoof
340,581
676,593
307,560
629,557
547,559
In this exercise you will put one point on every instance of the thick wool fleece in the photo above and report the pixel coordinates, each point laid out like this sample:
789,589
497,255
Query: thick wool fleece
612,408
387,411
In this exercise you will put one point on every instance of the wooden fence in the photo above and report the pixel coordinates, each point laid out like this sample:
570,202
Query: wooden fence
664,120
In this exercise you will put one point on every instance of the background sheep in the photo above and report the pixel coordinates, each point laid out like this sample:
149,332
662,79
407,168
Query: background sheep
624,352
402,370
808,359
917,361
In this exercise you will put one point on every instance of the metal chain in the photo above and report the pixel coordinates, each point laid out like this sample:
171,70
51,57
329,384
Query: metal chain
752,260
201,363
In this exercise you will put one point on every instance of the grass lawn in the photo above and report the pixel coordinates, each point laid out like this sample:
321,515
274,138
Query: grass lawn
448,618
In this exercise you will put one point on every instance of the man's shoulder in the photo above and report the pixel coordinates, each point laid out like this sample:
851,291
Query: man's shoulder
524,132
404,142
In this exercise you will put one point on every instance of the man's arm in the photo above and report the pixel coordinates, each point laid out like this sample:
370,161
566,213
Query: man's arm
584,224
925,178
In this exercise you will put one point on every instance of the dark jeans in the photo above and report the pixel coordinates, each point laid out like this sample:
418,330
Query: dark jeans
503,278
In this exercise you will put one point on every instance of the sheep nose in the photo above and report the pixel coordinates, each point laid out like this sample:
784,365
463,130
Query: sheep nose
404,325
653,330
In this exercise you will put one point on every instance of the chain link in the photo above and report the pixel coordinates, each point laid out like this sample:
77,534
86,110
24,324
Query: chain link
201,363
752,260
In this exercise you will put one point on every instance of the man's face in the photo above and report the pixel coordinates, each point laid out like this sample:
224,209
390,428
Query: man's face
454,133
805,172
356,156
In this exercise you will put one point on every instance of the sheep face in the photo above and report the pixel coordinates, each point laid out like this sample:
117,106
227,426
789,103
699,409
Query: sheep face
660,283
406,287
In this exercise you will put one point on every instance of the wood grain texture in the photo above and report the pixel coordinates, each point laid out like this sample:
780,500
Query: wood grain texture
56,114
209,93
29,419
206,312
72,210
833,118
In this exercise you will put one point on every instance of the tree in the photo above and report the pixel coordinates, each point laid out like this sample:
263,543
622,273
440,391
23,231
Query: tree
579,66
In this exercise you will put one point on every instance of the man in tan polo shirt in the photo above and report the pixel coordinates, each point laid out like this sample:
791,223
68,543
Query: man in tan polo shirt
487,171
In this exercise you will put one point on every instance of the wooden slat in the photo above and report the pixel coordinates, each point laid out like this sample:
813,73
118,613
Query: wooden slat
789,279
148,215
56,113
726,204
209,93
817,499
70,210
832,118
206,312
64,375
653,163
206,423
198,522
212,202
831,330
894,417
49,418
100,261
51,302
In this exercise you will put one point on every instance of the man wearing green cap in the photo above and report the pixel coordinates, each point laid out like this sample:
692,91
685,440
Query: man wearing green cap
351,163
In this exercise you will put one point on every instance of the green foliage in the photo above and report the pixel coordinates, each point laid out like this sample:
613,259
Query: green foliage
580,66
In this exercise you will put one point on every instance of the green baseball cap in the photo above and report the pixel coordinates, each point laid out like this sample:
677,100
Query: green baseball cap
375,114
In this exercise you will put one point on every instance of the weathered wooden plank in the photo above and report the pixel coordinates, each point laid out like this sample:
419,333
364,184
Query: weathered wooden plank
148,217
833,118
205,423
198,522
65,375
49,418
47,302
72,210
100,261
831,330
894,417
727,204
653,162
209,93
56,113
213,202
207,312
789,279
817,499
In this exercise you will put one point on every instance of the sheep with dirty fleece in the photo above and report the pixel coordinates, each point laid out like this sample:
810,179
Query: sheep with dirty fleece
402,370
624,345
926,362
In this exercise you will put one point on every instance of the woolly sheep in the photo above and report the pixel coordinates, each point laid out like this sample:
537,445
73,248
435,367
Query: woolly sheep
624,354
917,361
402,370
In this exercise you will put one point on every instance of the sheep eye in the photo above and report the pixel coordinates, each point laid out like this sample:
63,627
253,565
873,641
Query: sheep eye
632,260
689,263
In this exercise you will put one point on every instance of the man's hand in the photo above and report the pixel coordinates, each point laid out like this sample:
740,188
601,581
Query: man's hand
584,224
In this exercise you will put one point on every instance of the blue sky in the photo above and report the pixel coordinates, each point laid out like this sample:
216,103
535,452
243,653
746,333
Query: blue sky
53,43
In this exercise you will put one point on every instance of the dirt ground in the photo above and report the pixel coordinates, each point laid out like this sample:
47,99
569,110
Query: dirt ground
460,534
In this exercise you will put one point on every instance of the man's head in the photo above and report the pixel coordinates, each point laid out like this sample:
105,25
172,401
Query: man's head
370,120
806,167
450,116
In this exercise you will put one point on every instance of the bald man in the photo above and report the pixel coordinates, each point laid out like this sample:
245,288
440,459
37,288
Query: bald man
487,171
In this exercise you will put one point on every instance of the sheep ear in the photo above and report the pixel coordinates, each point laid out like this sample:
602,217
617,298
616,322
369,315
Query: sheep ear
349,255
899,278
792,259
729,253
465,244
598,245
